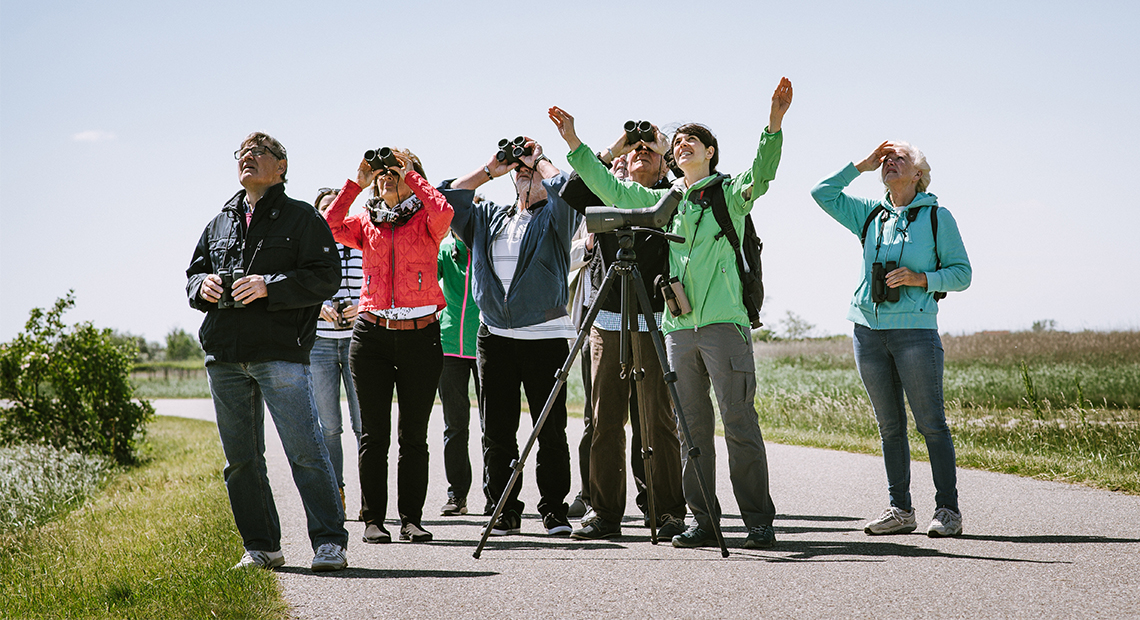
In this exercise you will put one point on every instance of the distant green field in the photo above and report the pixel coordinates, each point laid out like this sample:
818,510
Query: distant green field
1052,405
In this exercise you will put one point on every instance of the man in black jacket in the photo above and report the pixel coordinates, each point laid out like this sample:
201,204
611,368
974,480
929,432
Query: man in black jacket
610,393
260,272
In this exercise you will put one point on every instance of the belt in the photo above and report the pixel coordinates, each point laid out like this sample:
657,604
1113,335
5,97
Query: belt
398,324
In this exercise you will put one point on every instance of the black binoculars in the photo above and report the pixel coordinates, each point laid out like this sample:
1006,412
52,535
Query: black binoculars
340,306
880,292
229,276
639,131
512,151
381,158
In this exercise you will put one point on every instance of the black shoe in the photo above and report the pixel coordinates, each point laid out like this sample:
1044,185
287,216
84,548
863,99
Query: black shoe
577,508
454,506
556,525
376,534
597,529
489,509
760,537
414,533
669,526
695,536
509,523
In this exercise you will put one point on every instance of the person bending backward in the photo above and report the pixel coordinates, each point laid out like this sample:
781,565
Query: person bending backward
906,262
259,328
711,342
396,337
330,364
611,394
521,257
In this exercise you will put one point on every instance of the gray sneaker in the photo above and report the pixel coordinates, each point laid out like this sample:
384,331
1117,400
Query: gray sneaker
261,559
577,508
893,521
597,529
454,506
669,526
946,522
330,556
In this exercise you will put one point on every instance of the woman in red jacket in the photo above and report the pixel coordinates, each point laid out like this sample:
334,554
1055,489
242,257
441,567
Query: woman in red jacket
395,340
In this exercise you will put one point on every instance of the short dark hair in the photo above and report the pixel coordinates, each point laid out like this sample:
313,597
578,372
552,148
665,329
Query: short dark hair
270,144
705,135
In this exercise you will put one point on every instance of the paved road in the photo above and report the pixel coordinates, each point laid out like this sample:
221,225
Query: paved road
1031,549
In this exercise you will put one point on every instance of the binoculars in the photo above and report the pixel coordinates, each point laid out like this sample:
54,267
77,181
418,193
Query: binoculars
381,158
340,306
639,131
228,277
880,292
512,151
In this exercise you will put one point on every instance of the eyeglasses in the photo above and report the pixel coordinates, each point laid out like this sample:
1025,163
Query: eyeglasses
256,151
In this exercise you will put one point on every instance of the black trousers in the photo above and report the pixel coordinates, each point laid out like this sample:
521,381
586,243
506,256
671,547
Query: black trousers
505,364
456,401
408,362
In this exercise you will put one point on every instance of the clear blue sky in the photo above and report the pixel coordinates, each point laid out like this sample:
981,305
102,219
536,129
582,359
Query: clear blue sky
118,120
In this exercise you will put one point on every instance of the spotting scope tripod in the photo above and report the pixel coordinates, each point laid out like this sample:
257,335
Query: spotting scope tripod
631,284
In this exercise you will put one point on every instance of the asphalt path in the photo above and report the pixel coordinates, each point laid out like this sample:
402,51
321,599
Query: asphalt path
1029,549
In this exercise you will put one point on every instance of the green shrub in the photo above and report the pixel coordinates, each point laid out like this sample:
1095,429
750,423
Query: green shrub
69,387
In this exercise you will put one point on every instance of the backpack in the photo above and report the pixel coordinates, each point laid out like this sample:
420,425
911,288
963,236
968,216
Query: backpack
911,215
748,265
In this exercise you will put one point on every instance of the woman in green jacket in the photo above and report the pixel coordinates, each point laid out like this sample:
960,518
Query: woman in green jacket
711,342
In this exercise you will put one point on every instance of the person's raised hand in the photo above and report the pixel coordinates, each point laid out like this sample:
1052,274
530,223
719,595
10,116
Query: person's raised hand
781,101
365,175
565,124
875,159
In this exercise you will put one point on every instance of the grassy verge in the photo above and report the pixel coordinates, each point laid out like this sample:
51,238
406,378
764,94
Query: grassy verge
155,543
1052,406
39,483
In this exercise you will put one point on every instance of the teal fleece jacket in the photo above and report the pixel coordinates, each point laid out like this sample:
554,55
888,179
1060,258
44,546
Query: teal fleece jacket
705,262
910,244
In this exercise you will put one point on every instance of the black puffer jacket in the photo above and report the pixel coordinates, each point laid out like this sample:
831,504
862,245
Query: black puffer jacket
289,244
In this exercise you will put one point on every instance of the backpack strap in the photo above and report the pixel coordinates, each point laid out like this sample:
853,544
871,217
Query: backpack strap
938,295
712,195
867,224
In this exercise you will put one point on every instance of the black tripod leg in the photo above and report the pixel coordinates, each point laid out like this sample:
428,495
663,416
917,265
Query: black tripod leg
671,380
638,375
563,373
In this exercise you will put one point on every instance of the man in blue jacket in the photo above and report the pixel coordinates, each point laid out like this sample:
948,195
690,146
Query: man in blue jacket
260,272
521,258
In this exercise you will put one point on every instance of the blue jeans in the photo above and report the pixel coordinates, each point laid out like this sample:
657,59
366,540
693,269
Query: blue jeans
894,362
240,392
329,364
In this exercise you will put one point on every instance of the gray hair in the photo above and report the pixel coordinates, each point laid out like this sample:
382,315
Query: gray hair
919,161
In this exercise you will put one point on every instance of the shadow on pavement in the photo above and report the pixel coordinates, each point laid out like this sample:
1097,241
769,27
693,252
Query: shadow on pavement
1052,539
869,551
374,573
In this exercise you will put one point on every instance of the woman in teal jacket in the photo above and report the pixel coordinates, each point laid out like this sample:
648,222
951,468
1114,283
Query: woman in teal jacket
711,342
911,252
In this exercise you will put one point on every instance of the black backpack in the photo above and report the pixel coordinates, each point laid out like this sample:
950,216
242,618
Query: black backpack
911,215
748,265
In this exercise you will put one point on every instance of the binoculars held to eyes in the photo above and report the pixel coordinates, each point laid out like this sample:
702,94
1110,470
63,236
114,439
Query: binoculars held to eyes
639,131
381,158
512,151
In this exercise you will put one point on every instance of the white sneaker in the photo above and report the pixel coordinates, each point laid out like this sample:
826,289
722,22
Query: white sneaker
892,521
946,522
261,559
330,556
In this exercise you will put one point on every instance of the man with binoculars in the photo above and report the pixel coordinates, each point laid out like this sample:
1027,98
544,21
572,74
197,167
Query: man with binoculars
257,335
520,261
610,391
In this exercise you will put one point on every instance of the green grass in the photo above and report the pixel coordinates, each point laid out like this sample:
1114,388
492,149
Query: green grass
39,483
155,543
1053,406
